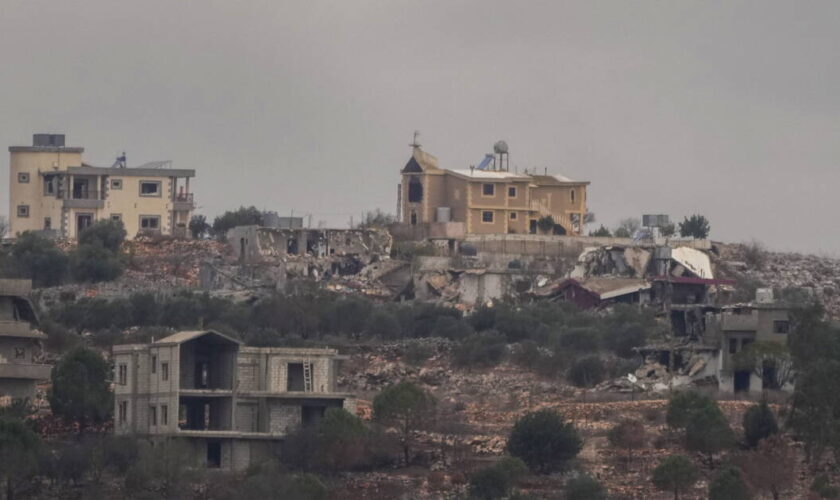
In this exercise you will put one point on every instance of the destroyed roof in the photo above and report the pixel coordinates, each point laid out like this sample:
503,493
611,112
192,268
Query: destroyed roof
186,336
608,288
693,260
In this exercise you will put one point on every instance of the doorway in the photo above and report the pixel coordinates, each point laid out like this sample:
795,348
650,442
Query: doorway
742,381
214,454
83,221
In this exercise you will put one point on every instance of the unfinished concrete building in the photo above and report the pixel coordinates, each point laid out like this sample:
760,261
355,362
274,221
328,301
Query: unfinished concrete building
19,343
233,404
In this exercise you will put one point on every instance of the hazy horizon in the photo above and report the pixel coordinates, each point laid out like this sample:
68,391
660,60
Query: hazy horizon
729,109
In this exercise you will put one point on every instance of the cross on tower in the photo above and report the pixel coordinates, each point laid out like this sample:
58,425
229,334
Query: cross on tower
415,144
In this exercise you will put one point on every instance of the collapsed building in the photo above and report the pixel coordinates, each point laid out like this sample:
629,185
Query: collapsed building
19,343
232,404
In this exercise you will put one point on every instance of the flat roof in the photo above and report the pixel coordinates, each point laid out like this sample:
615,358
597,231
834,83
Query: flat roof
132,172
45,149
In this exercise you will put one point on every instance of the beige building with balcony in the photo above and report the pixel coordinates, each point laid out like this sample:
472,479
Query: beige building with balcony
52,190
232,404
19,343
442,202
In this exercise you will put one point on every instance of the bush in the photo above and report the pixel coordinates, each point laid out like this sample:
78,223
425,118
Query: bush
105,233
759,423
586,372
584,487
544,441
580,339
708,431
417,353
728,485
383,324
822,486
451,328
497,480
37,258
675,474
241,217
94,263
481,349
682,405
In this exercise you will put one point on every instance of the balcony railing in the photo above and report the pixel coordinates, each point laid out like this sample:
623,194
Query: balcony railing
183,202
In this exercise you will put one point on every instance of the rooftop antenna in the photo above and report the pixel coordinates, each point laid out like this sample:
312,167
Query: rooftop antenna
415,144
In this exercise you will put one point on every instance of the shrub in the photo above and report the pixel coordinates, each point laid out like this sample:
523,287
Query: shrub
586,372
759,423
105,233
417,353
822,486
526,353
483,318
451,328
682,405
383,324
581,339
708,431
481,349
37,258
94,263
497,480
584,487
675,474
544,440
728,485
601,232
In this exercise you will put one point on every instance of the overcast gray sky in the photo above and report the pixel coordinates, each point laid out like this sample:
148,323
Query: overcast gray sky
727,108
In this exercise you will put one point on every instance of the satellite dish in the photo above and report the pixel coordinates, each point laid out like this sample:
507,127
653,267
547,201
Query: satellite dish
500,147
632,378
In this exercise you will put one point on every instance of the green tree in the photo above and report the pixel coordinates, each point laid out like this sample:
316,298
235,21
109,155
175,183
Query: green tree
19,447
341,440
107,234
675,474
544,440
728,485
377,219
668,230
586,372
708,432
628,227
241,217
497,480
546,224
383,324
759,423
94,263
771,467
584,487
601,232
484,349
405,407
682,405
37,258
81,390
696,226
199,227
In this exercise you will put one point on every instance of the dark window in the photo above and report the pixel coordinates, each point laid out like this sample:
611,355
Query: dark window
164,415
413,218
149,188
214,455
572,195
23,210
123,411
152,416
122,374
512,192
487,216
154,364
294,377
733,346
20,353
47,223
83,221
164,371
513,215
488,189
150,222
116,217
49,184
781,326
116,184
415,190
23,177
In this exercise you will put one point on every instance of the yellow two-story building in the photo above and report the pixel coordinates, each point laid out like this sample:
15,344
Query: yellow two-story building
52,190
489,200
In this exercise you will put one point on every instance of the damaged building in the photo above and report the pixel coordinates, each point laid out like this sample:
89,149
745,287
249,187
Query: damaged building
232,404
19,343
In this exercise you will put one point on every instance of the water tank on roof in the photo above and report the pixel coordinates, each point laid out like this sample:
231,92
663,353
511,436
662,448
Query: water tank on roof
444,214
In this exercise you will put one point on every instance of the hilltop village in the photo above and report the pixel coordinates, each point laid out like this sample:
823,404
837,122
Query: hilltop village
429,353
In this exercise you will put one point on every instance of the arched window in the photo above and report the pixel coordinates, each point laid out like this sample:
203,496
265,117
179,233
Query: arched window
415,190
